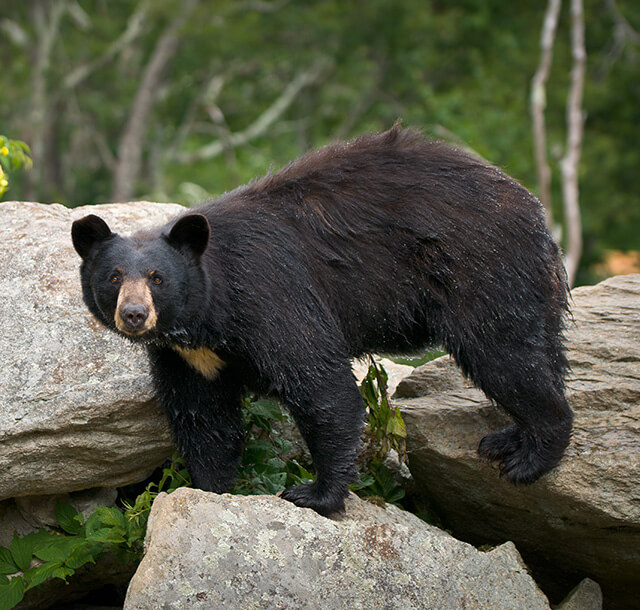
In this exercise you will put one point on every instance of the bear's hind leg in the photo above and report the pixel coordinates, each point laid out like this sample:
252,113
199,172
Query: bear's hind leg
529,386
330,420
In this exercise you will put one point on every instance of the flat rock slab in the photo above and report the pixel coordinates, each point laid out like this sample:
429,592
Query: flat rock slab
76,406
582,519
219,551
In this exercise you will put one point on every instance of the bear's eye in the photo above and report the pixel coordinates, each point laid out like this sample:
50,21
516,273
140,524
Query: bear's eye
156,279
115,278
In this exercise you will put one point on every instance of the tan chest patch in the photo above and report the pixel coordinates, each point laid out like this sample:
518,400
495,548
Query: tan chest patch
203,359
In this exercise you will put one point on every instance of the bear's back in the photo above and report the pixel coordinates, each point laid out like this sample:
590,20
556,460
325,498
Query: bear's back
434,223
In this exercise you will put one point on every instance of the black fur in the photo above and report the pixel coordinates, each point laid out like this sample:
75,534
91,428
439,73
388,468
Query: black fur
386,244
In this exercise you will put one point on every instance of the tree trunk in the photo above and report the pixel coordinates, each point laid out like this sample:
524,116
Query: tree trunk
131,144
575,123
538,104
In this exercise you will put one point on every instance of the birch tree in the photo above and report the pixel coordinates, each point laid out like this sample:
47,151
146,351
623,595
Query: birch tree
575,123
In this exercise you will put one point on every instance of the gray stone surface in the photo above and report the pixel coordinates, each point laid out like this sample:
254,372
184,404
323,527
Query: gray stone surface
76,409
219,551
582,519
586,596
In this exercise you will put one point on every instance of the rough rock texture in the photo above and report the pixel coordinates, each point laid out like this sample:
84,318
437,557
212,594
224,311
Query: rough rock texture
219,551
76,409
584,518
586,596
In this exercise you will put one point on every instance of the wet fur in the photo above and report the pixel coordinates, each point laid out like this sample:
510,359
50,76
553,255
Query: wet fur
387,244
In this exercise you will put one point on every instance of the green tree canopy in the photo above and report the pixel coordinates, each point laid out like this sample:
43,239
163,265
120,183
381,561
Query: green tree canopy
176,100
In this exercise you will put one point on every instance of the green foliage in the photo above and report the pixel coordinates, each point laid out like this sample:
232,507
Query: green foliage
11,592
41,555
266,467
385,431
175,475
13,155
36,557
460,70
415,360
378,482
386,425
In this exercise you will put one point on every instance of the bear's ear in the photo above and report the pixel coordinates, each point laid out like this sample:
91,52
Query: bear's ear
88,232
191,232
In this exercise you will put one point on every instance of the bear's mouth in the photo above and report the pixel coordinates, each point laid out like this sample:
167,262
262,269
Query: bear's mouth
141,336
133,333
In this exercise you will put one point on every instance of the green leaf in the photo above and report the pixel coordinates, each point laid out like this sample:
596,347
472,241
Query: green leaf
266,409
7,563
302,472
41,537
107,525
36,576
282,445
276,463
396,425
69,518
368,391
107,535
395,495
93,523
59,549
22,552
62,572
11,595
80,556
51,552
111,516
366,480
180,479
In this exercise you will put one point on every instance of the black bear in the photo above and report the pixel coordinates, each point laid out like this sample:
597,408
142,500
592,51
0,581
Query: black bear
385,244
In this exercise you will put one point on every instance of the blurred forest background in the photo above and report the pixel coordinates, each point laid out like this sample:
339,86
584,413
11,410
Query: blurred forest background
178,100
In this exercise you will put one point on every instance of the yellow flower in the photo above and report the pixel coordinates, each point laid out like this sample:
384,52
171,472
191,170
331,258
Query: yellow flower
4,182
4,151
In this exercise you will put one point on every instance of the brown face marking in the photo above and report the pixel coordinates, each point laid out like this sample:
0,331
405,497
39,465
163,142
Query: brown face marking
203,359
135,292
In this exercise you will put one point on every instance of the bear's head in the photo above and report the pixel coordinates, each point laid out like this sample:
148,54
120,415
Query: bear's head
147,286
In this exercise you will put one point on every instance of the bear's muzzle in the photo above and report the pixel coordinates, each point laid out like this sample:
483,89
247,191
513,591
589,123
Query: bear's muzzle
135,311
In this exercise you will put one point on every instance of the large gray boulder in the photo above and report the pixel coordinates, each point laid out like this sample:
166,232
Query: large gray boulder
76,407
582,519
219,551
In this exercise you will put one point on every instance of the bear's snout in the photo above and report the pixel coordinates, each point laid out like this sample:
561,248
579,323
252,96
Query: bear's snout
135,310
134,317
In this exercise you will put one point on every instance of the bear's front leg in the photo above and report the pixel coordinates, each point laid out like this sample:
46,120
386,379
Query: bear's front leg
330,418
205,416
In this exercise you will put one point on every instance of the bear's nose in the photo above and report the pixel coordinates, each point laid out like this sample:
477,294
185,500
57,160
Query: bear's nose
134,316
